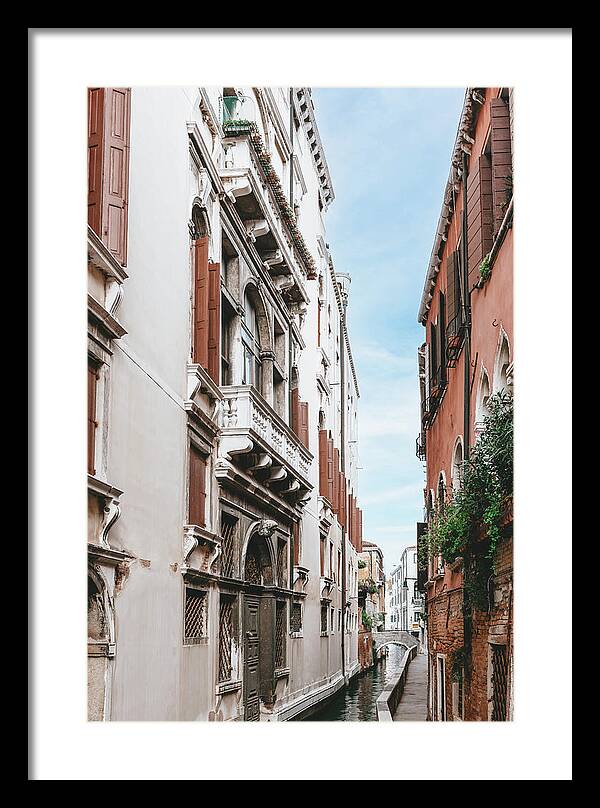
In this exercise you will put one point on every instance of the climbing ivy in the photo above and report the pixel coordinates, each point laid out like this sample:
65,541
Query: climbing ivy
477,509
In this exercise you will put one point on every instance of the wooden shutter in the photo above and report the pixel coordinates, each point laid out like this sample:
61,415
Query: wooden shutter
214,322
95,157
479,216
296,542
323,462
501,158
115,196
336,481
330,470
200,335
342,501
92,422
197,488
451,295
303,425
360,530
295,411
350,518
433,357
442,337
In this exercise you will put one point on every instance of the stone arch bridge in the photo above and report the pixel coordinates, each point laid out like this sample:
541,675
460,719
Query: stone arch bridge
394,637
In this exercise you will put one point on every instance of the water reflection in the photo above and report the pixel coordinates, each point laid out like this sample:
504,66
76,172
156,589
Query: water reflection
357,701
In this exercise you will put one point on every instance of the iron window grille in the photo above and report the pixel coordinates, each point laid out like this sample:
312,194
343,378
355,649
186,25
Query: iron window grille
225,637
228,545
194,616
454,339
296,618
499,682
282,564
280,632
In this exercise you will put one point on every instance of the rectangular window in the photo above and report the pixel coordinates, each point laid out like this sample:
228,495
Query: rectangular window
324,611
197,488
296,618
229,527
322,559
226,320
93,372
331,569
441,689
332,620
458,707
226,603
499,682
280,633
194,616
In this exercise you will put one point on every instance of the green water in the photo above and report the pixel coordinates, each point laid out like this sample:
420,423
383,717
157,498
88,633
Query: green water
357,701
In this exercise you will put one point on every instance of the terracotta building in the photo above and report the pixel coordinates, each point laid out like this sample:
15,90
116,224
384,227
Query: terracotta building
222,398
467,312
371,599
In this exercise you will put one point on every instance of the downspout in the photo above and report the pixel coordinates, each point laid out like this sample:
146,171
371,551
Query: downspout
343,465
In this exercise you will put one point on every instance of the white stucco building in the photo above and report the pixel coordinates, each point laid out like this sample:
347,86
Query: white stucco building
222,535
404,601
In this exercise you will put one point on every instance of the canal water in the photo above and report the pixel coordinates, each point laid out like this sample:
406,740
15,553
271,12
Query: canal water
357,701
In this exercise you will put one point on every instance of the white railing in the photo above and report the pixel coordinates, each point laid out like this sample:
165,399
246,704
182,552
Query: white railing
244,409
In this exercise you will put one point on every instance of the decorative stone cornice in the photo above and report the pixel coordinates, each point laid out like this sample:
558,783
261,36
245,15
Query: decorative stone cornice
195,536
110,496
101,257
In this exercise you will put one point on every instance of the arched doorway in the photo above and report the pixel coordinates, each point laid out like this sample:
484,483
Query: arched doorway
258,625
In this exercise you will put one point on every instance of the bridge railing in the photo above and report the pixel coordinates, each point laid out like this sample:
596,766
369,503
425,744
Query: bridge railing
389,698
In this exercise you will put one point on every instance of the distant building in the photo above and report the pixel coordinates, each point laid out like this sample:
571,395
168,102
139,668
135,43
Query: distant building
405,601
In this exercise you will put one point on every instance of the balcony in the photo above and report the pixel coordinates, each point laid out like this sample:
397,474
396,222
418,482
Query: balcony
255,187
421,445
257,447
455,335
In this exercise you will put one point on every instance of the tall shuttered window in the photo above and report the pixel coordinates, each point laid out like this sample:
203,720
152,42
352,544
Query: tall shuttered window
197,487
93,372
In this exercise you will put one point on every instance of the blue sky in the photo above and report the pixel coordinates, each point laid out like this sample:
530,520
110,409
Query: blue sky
389,153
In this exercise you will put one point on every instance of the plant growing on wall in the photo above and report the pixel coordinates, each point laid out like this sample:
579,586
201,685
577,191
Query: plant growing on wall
485,269
366,620
477,510
361,564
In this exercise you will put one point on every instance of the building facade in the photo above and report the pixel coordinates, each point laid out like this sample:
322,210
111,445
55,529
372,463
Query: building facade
406,602
467,358
223,529
371,600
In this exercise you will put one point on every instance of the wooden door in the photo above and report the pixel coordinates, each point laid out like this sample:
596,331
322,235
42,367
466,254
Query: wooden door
251,659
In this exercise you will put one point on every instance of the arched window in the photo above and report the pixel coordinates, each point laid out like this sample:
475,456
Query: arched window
251,345
501,377
483,396
441,494
457,466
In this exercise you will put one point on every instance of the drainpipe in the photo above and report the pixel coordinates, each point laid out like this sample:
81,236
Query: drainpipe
343,465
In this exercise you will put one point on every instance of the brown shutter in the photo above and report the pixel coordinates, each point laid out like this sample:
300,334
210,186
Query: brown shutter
451,294
349,517
214,322
95,157
442,337
296,542
197,488
330,470
92,422
303,426
501,158
433,357
360,530
336,481
342,500
115,197
322,462
295,411
200,336
479,216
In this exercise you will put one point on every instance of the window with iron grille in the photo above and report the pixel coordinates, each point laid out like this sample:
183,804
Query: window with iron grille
296,618
195,616
280,632
282,564
499,682
458,702
324,613
225,636
229,525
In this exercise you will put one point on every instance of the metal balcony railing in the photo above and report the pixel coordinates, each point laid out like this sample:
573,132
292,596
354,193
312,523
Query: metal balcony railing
455,335
421,446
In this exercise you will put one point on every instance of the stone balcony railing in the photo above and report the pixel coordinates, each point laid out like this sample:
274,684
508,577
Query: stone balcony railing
255,438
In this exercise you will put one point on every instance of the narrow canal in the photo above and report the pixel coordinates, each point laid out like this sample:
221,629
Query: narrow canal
357,701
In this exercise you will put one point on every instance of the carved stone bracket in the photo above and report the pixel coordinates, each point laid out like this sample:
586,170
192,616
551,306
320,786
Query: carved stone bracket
110,497
266,527
326,587
256,228
301,577
197,537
